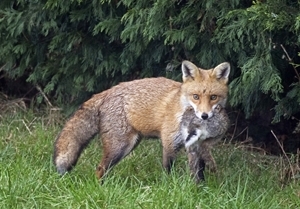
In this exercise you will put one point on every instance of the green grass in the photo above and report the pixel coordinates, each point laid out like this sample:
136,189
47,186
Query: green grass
28,178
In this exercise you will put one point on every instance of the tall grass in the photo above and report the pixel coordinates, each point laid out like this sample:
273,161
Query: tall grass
28,178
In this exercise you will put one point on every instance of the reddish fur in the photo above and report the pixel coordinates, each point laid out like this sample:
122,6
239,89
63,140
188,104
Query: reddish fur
149,107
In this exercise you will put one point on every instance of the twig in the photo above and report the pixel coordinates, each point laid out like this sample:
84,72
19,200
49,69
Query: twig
1,68
44,95
290,60
284,153
252,147
235,127
27,127
245,129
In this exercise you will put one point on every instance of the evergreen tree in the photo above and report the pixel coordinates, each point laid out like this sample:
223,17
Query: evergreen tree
76,48
261,39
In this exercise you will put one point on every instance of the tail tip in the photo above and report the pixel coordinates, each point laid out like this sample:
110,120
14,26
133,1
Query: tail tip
61,170
61,165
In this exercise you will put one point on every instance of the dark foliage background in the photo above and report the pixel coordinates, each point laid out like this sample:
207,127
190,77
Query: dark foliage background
72,49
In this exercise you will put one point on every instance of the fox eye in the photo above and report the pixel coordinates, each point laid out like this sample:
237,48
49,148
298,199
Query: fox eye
213,97
196,96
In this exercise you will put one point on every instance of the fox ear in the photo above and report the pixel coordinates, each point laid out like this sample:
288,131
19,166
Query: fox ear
189,71
222,71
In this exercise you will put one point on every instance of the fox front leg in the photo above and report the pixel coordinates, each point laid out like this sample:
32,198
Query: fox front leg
196,163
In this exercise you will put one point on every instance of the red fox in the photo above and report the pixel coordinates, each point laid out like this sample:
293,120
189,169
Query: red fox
145,107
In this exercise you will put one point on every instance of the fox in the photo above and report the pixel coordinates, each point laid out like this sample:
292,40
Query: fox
148,107
199,136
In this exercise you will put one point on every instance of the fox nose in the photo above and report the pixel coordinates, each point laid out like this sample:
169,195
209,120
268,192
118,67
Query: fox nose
204,116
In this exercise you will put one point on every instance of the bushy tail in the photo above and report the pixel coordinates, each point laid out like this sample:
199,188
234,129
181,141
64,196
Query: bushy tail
74,137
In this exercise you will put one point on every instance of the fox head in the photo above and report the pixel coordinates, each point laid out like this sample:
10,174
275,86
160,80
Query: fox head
203,89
